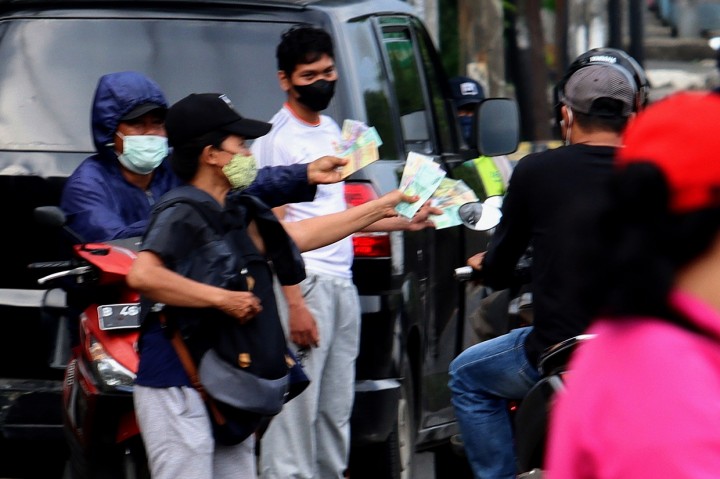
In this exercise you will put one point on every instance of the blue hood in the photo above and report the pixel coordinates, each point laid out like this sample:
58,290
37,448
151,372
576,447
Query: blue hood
116,95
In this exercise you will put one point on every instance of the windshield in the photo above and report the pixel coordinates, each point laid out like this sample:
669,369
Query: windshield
49,69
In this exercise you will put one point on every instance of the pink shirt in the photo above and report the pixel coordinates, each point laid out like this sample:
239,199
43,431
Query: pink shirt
642,401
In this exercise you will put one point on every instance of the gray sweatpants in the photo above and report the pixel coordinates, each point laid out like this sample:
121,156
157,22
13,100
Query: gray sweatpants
310,437
178,438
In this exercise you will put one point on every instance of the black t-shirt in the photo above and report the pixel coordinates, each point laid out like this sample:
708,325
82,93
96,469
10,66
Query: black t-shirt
543,190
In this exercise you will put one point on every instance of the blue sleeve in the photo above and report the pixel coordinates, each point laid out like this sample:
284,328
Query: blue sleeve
88,201
279,185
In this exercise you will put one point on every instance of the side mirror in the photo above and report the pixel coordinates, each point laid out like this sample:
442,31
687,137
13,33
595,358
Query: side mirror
55,218
479,216
50,216
497,126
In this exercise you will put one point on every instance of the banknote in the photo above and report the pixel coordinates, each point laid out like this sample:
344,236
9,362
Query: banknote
359,143
421,176
449,196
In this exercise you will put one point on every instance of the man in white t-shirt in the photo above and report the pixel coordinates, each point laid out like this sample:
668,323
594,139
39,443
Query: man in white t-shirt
310,437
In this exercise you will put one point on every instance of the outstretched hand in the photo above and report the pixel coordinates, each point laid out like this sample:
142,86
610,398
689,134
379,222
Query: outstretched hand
325,170
390,200
420,220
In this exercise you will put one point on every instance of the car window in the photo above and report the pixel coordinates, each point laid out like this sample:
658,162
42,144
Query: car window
444,115
424,112
372,79
46,86
414,115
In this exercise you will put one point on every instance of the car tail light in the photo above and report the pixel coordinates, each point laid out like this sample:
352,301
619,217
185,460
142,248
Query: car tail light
366,245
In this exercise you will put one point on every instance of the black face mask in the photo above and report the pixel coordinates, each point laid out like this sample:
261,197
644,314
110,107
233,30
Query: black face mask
466,124
316,95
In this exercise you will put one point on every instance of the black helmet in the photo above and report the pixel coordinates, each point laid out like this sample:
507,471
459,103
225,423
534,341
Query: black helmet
612,56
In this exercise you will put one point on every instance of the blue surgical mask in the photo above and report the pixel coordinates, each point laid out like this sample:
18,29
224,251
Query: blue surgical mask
142,153
466,123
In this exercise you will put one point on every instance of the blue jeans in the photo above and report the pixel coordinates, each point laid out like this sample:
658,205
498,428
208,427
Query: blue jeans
482,379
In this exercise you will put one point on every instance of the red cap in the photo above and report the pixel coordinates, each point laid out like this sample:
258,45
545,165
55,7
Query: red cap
681,136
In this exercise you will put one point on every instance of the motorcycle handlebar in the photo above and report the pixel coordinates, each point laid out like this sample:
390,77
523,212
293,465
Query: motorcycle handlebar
467,273
50,265
80,270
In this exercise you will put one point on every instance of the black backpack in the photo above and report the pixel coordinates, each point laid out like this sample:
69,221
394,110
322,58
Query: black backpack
245,369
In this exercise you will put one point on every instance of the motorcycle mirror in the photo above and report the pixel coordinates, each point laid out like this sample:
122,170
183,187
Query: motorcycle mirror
50,216
479,216
54,217
497,126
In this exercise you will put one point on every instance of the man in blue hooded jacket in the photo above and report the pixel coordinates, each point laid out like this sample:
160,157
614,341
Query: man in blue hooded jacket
110,195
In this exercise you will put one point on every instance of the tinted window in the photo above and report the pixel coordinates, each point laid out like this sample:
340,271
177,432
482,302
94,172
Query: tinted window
431,67
49,69
371,77
414,117
426,117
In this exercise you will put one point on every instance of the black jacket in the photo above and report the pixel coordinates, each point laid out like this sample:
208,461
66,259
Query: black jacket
543,190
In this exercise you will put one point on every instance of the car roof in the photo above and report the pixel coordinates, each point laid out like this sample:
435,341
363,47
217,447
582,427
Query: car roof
342,10
301,4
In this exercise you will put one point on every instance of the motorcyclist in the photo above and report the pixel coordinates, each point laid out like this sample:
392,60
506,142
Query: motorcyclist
110,195
640,401
596,99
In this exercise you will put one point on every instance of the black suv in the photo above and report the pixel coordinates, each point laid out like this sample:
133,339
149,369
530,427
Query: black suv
52,54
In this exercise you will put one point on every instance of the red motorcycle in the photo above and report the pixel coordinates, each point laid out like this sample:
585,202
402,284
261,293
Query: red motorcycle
99,420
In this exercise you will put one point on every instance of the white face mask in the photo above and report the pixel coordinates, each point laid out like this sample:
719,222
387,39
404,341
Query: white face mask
142,153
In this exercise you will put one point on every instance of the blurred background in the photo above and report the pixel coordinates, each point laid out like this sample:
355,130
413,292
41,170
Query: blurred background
520,48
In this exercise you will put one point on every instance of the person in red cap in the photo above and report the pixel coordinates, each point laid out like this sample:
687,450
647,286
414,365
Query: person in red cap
642,398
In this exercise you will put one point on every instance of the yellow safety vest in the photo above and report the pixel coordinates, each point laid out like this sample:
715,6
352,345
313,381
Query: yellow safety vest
489,175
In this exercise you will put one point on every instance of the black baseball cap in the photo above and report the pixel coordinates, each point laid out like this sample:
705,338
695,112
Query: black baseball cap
201,113
465,91
142,109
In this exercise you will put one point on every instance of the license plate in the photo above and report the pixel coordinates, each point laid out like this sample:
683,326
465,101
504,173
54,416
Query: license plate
119,316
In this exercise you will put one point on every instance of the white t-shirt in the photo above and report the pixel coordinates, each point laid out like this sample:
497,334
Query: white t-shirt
293,141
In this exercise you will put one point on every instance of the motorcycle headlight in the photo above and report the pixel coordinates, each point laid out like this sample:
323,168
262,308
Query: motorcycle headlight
112,374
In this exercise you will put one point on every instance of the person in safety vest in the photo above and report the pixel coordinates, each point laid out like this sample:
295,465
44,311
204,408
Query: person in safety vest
493,172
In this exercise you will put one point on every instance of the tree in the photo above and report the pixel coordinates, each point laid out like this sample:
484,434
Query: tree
529,70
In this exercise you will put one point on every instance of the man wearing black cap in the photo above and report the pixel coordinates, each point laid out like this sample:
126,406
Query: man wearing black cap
494,173
597,102
109,196
466,93
211,156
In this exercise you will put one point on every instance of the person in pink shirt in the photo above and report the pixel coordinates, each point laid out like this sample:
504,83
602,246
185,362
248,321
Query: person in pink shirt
643,397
